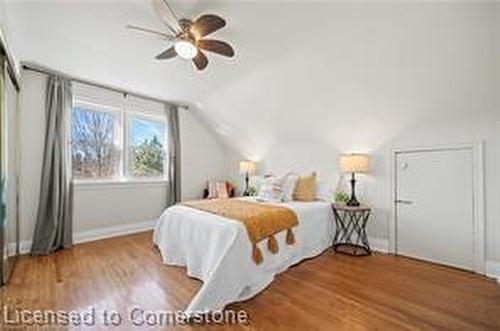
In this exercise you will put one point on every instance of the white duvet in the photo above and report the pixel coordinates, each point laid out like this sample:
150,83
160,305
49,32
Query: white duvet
217,251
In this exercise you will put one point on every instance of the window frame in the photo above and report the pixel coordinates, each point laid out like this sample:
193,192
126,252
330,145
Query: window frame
127,170
122,142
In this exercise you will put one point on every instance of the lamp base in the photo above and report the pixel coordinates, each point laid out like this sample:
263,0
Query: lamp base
353,202
246,191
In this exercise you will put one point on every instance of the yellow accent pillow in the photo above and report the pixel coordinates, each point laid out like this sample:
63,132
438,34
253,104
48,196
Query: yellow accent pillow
305,190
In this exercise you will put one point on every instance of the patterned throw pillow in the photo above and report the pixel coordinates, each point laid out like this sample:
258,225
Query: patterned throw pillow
305,190
218,189
271,189
212,189
222,190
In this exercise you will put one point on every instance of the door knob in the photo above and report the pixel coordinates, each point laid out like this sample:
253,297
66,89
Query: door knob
405,202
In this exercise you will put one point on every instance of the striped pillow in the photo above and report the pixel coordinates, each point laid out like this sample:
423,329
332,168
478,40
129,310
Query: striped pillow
271,189
222,190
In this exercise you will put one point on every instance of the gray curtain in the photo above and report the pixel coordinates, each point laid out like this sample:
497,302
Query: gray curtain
174,156
53,228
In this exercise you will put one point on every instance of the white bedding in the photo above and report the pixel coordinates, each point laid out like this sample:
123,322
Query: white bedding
218,251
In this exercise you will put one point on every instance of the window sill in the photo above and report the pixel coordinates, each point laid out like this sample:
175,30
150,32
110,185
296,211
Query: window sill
118,184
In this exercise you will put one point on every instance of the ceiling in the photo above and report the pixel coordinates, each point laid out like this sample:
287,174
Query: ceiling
89,39
304,72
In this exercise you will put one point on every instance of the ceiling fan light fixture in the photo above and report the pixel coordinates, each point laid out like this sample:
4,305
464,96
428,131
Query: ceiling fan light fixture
185,49
186,38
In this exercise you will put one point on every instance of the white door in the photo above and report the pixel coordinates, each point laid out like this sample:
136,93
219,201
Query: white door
435,206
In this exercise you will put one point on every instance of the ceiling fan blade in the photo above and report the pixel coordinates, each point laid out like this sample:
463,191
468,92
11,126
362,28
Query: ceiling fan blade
216,46
207,24
151,31
167,54
200,61
165,14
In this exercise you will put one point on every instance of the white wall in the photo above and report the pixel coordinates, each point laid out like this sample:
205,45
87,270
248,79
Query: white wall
96,206
3,16
203,156
101,206
6,34
31,119
371,78
496,41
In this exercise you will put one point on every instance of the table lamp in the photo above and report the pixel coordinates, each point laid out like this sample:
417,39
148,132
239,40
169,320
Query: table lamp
354,163
247,168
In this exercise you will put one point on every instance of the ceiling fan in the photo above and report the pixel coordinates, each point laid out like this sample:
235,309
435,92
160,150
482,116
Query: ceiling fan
188,37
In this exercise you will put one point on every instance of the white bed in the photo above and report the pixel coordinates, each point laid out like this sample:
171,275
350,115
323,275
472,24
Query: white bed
218,251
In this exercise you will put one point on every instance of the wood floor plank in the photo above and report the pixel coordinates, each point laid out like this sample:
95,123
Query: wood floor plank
379,292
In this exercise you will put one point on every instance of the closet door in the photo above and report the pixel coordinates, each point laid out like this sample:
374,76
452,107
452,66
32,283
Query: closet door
435,206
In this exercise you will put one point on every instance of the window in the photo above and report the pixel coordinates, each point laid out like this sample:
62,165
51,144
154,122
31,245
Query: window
117,143
147,138
94,152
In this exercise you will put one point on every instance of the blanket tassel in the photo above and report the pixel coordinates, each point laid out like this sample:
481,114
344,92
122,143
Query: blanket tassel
290,238
256,254
272,244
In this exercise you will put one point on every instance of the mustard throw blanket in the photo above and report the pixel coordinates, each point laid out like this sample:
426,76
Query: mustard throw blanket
262,221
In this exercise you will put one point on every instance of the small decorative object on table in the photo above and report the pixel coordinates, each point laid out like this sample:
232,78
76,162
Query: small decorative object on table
341,197
251,191
351,222
247,168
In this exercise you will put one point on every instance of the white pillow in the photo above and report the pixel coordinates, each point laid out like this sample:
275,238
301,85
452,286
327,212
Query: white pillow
325,191
212,189
271,189
289,186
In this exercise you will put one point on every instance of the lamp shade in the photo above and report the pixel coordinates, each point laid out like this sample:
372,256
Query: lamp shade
358,163
247,167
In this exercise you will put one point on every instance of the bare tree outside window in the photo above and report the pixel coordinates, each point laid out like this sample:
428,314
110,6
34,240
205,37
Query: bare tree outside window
94,154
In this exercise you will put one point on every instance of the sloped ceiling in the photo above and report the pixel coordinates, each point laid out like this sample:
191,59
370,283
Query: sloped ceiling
340,75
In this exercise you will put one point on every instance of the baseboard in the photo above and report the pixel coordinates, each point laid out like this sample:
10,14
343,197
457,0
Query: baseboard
493,270
112,231
379,244
98,234
382,245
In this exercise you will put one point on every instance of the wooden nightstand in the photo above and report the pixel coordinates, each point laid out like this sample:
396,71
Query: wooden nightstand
351,222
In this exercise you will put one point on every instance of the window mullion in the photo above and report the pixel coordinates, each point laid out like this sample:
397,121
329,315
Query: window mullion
124,141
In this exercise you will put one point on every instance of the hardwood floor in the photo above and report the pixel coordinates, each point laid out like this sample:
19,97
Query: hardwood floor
329,292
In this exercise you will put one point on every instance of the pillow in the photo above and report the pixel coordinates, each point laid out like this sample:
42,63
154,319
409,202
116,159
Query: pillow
218,189
271,189
306,188
222,190
289,186
212,189
230,189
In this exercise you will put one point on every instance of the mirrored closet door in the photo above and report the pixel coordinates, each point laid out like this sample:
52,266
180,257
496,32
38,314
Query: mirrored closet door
9,230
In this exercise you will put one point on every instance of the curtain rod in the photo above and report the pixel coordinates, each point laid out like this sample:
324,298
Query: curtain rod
47,71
